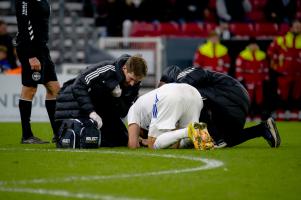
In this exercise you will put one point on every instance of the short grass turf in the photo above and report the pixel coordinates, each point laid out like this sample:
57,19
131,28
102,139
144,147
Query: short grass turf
251,170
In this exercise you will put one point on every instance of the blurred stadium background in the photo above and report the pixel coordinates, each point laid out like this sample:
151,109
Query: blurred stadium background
165,32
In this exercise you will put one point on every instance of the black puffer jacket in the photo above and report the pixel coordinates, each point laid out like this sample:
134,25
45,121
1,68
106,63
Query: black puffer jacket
222,93
91,91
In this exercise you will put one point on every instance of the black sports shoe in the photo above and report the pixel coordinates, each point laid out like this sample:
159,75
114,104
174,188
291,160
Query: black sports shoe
33,140
55,139
271,134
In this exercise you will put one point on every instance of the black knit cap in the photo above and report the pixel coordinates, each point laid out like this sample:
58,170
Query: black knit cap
170,74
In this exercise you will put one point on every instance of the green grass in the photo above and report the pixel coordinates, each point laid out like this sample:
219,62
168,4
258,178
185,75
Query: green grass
252,170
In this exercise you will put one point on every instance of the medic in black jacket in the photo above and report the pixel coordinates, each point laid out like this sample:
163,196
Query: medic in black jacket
103,92
226,106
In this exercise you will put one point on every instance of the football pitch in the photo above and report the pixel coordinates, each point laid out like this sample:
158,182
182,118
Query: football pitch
252,170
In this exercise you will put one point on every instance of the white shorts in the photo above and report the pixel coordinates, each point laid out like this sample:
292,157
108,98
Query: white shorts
175,109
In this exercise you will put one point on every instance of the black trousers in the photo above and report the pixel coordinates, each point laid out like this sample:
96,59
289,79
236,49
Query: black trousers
113,132
222,125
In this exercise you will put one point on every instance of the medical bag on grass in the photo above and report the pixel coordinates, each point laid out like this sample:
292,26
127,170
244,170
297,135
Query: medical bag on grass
82,134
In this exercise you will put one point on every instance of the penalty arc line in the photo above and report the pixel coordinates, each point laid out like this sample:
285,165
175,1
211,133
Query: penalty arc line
209,164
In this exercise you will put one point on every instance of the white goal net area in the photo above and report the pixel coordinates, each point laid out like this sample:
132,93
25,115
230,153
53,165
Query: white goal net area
149,47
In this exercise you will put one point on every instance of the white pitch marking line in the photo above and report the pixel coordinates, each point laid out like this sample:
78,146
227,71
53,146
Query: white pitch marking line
209,164
64,193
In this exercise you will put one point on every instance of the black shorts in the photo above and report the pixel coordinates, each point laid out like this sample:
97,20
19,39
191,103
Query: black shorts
32,78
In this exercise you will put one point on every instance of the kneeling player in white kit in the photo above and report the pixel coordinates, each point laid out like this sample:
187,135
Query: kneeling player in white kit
170,114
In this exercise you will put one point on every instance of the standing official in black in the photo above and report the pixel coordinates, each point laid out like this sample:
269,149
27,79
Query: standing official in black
37,67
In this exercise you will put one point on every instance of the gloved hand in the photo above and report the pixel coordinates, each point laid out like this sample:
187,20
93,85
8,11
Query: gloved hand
117,91
93,115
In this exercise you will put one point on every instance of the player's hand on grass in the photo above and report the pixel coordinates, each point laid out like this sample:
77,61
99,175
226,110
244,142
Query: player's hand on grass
96,118
143,142
35,64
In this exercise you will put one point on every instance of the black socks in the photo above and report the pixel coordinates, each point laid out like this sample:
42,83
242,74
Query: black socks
50,107
25,113
253,131
248,133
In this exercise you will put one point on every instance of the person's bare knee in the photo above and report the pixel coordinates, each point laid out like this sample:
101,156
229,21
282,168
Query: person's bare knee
27,93
52,89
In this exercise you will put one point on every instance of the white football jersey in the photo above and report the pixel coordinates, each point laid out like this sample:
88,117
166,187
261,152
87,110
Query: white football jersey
141,111
166,107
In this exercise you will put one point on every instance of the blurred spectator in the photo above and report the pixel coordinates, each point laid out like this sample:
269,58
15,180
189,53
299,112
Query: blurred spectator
101,12
111,14
223,31
280,11
143,10
132,13
4,64
233,10
170,12
18,69
114,13
192,10
7,41
212,55
252,70
133,10
89,8
285,55
156,10
150,11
